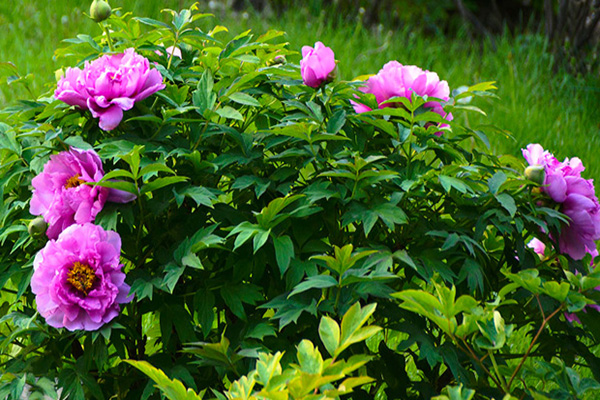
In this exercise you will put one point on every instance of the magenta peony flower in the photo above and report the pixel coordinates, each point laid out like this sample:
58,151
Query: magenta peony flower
579,236
317,65
564,185
109,85
78,279
62,198
397,80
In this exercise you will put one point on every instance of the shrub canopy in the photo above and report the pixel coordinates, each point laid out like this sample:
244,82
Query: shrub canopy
281,245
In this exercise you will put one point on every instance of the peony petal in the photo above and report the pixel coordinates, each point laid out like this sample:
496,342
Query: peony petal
556,187
110,118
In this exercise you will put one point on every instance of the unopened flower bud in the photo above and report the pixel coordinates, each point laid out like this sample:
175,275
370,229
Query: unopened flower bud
536,174
316,65
37,227
100,10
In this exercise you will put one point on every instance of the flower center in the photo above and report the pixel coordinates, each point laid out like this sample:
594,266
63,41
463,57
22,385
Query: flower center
74,181
81,277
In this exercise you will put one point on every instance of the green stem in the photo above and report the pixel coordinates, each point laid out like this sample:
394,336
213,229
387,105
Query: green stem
173,51
498,374
108,38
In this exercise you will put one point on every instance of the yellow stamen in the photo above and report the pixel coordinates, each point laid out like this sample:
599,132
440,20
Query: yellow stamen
74,181
81,277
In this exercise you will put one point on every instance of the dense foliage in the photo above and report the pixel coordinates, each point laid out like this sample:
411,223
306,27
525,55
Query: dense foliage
273,226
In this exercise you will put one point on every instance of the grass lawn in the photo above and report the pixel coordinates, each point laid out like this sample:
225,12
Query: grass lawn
537,105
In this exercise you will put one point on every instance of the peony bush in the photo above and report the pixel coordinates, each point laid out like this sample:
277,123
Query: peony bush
190,217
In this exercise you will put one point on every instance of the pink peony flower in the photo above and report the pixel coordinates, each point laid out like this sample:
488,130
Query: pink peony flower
109,85
397,80
564,185
317,65
62,198
78,279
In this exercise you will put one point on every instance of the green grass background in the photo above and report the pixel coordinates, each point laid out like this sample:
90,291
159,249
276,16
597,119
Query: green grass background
558,110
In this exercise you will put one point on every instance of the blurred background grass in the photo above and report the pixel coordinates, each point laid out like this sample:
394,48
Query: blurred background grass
559,110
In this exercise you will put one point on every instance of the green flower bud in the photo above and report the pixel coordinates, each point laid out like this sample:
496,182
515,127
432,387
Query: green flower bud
100,10
536,174
37,227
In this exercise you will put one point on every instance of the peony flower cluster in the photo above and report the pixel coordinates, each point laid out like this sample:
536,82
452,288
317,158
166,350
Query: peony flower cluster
577,198
78,279
397,80
110,85
317,65
61,196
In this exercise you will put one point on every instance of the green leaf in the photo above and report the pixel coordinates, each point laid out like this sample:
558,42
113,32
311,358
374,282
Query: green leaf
336,122
268,366
235,295
496,181
173,389
314,282
155,167
494,333
191,260
558,291
201,195
203,97
245,99
309,358
449,182
260,238
172,274
142,288
507,201
159,183
235,44
390,214
329,332
352,330
204,302
427,305
261,330
284,252
128,187
153,22
230,113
